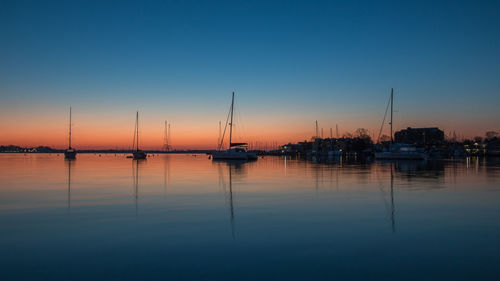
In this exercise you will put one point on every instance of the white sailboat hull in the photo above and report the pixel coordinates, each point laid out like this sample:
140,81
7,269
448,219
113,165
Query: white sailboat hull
230,155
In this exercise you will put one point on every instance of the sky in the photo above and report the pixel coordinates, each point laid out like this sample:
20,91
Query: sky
288,62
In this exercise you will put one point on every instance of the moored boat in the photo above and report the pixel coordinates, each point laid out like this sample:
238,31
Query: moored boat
69,153
399,151
403,153
137,154
236,150
334,153
230,154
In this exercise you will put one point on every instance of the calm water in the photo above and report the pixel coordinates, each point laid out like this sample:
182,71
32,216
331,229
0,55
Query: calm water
184,217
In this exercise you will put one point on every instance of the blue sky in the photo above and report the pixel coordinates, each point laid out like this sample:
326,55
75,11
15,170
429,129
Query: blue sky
304,60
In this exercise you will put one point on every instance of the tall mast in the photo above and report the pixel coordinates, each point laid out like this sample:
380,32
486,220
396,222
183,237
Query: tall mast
231,124
69,142
392,108
317,130
220,132
165,137
137,129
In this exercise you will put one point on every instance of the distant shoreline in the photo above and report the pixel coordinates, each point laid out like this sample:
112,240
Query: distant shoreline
113,152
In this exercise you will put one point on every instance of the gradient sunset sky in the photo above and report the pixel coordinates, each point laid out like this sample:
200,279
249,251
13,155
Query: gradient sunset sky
290,63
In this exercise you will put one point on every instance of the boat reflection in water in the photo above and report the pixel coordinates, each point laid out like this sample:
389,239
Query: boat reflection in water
69,164
277,218
228,168
391,208
135,178
166,173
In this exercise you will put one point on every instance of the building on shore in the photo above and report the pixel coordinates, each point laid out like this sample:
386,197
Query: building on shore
420,137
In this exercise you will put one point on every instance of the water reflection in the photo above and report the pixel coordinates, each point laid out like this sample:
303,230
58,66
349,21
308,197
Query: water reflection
135,175
230,167
393,220
166,174
421,169
69,164
298,219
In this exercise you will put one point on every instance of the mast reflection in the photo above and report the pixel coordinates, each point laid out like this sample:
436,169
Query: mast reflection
166,174
135,176
390,206
69,164
393,221
235,168
231,207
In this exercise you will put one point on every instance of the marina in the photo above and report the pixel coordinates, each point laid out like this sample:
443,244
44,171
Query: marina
271,140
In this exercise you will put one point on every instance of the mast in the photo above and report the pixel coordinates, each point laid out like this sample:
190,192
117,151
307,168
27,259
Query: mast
231,123
166,146
69,142
317,130
220,132
137,129
392,109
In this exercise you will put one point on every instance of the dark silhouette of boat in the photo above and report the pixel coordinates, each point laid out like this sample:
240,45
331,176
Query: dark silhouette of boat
399,151
137,153
236,150
69,153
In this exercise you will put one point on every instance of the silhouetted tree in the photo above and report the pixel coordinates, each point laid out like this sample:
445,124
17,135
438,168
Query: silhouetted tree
362,133
384,138
491,135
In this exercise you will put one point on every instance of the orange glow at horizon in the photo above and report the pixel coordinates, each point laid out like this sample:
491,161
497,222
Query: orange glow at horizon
118,134
152,137
114,130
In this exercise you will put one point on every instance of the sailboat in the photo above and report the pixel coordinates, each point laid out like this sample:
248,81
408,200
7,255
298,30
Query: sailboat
399,151
70,153
137,153
236,150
